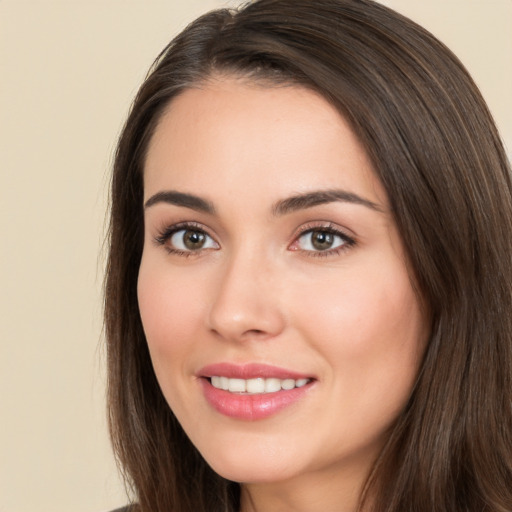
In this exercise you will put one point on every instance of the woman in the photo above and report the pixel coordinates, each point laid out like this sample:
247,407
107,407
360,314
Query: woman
309,284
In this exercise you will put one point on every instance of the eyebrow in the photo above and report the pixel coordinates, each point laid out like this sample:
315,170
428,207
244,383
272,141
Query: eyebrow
316,198
280,208
181,199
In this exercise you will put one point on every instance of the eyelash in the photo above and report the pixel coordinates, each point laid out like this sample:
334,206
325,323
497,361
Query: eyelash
329,228
163,237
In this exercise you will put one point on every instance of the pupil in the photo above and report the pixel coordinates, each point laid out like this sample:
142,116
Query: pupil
322,240
194,239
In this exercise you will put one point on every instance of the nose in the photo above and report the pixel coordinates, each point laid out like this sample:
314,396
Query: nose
246,302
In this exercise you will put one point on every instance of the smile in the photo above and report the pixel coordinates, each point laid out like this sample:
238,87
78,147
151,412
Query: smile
254,391
256,385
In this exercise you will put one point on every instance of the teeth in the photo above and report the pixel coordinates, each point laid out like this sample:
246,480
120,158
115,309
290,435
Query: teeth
272,385
216,382
224,383
256,386
237,385
288,384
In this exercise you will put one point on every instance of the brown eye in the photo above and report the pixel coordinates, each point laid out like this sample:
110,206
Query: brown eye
321,240
191,240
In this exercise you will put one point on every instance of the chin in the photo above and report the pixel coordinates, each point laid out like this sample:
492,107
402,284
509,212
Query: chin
254,468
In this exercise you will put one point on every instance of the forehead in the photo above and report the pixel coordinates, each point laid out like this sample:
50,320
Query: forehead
250,137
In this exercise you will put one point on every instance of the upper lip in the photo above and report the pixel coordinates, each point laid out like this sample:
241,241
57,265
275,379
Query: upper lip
249,371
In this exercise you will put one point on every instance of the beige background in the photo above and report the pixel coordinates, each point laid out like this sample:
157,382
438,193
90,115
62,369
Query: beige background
68,71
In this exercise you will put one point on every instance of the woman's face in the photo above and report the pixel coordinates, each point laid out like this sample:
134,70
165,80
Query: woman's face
272,267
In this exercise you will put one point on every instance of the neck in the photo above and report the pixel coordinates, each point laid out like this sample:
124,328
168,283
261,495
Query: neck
314,492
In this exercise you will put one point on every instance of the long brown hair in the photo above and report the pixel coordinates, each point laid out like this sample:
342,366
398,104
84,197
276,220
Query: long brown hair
436,150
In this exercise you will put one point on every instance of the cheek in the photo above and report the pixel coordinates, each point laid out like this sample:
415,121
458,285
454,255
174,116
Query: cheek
356,304
368,325
170,313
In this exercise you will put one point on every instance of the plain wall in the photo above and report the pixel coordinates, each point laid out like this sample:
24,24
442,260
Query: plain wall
68,72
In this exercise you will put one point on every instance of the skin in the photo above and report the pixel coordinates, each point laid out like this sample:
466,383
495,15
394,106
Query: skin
259,291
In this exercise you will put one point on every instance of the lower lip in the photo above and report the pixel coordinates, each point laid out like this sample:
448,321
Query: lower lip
251,407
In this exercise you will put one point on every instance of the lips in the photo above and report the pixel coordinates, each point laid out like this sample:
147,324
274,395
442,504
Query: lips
249,371
254,391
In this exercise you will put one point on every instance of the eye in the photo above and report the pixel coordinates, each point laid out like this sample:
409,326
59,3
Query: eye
319,240
186,239
191,240
325,240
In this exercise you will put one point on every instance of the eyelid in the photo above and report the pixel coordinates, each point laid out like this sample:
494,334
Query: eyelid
329,227
165,233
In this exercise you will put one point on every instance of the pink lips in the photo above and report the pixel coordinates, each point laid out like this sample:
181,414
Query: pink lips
250,407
